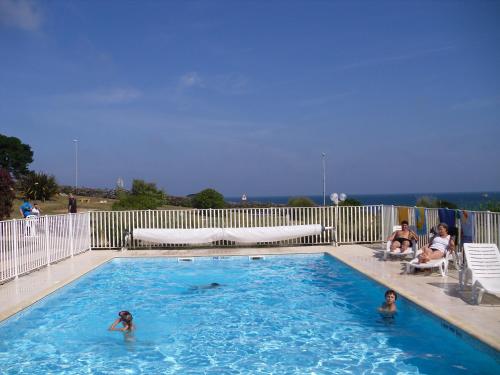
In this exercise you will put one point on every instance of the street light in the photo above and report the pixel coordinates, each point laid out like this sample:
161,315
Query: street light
337,198
324,177
76,163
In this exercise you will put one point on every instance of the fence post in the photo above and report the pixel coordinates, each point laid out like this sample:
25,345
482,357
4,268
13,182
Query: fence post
393,217
47,242
71,241
382,223
16,252
89,222
488,226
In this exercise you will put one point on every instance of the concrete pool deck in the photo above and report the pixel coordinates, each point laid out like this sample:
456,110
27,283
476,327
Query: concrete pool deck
439,295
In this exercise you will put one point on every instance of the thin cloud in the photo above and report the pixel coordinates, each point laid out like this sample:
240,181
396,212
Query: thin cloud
323,100
230,84
477,103
191,79
396,58
20,14
114,96
101,96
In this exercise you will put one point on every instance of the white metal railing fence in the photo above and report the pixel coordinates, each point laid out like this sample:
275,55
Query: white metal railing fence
353,224
29,244
359,224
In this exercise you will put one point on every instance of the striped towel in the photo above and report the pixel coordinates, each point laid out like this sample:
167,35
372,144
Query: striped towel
421,221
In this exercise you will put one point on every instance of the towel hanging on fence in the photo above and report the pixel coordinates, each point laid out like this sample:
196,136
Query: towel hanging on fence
403,214
447,216
467,223
421,221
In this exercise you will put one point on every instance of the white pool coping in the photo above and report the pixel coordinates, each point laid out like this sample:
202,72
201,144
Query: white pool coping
434,293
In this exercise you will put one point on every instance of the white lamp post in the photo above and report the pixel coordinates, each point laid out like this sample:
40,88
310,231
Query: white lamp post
76,162
324,178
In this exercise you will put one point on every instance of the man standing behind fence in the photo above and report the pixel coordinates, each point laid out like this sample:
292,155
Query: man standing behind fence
25,208
72,204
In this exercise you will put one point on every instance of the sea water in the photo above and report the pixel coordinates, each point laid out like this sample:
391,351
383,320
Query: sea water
279,315
469,201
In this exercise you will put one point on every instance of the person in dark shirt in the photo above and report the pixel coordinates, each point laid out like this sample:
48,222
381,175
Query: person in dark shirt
72,204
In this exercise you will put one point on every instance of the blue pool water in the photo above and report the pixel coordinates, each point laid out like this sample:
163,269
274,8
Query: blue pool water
281,315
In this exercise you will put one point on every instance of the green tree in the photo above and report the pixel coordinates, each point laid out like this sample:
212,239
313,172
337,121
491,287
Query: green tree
208,198
492,205
15,156
301,202
6,194
350,202
143,196
38,186
432,202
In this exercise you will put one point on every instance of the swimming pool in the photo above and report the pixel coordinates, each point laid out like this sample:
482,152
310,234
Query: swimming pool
281,315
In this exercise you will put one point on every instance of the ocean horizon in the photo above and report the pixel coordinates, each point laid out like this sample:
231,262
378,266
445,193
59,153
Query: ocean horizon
471,201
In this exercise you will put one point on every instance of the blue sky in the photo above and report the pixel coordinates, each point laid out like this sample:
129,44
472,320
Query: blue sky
244,96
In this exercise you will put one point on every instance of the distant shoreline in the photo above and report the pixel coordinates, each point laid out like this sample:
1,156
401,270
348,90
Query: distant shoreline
471,201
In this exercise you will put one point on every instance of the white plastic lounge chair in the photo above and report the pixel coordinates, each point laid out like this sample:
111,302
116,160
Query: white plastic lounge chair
409,251
441,263
482,270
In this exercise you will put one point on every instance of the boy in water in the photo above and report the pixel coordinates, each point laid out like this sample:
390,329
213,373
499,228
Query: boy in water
126,319
389,306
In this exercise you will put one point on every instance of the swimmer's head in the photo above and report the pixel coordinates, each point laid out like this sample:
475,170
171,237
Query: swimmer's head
215,284
391,296
125,316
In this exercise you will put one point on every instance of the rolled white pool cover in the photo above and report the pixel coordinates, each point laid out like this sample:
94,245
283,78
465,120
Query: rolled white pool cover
238,235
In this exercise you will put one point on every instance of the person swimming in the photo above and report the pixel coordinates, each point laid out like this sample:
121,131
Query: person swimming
207,286
388,308
125,318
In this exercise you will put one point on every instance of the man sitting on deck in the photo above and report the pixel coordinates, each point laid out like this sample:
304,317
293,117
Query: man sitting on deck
401,239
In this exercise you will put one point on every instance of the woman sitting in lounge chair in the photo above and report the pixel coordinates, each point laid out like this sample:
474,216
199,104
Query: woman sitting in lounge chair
401,239
438,246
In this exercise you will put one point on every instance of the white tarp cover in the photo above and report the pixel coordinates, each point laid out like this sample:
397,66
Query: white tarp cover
270,234
239,235
178,236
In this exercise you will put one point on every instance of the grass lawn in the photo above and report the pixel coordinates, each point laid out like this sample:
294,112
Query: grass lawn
59,205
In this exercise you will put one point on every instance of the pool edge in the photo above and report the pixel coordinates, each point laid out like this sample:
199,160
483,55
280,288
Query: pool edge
487,340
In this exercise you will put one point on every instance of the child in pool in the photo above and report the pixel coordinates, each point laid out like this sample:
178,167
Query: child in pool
126,319
389,306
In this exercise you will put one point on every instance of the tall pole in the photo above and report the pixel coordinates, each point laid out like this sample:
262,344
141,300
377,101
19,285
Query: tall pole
76,163
324,178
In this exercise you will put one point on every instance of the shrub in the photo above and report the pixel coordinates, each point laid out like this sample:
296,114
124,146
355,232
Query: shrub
179,201
301,202
89,192
493,206
432,202
6,194
350,202
143,196
38,186
208,198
